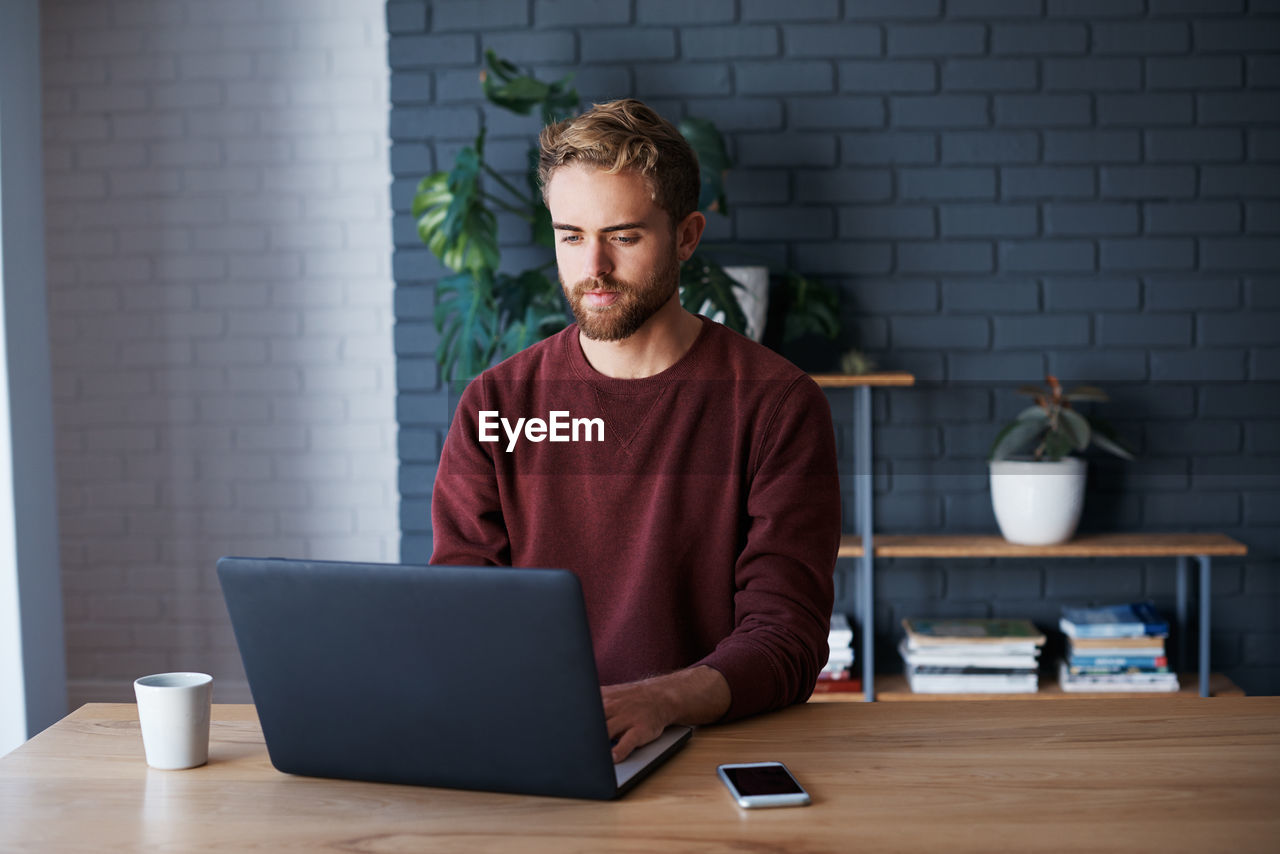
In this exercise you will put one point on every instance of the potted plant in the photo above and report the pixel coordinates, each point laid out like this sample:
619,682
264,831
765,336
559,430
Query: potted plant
1038,496
484,315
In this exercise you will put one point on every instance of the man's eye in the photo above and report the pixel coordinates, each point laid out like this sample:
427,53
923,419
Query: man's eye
570,238
625,239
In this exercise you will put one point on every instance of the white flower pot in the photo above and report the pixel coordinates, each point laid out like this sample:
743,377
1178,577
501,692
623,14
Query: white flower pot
1038,503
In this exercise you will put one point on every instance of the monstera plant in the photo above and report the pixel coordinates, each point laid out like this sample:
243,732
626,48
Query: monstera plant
484,315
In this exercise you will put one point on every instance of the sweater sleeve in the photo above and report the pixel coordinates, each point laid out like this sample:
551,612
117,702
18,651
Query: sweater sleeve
783,587
467,526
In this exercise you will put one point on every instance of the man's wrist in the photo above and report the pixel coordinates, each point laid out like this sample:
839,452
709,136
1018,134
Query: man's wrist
694,696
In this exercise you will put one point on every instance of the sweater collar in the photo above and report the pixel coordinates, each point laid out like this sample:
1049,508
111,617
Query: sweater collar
614,385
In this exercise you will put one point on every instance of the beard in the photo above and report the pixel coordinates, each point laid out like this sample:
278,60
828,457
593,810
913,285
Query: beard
636,302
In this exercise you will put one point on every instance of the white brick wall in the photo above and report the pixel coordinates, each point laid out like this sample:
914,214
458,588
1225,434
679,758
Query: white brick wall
220,312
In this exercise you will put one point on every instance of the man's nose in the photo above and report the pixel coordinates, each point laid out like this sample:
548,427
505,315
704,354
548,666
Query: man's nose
597,263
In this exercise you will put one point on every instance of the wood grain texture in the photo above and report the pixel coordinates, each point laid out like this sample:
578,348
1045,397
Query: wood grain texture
1085,545
1161,774
885,378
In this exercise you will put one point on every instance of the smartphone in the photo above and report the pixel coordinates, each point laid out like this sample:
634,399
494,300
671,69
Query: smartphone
762,784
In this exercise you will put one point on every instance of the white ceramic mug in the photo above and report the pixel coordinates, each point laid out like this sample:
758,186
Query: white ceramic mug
173,710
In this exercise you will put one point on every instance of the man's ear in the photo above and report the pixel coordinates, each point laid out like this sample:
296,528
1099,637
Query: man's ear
688,233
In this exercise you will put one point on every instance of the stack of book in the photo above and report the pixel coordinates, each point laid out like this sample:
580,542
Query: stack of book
837,676
971,656
1115,648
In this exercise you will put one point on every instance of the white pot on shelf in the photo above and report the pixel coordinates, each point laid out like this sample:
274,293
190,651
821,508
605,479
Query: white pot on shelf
1038,503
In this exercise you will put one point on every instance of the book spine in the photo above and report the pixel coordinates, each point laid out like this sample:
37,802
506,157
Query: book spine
1117,672
1117,661
1112,630
838,686
943,670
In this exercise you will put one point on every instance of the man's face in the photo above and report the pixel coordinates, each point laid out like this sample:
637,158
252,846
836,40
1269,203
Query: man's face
615,249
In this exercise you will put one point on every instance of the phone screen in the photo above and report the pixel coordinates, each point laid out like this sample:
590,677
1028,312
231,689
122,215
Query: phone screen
763,780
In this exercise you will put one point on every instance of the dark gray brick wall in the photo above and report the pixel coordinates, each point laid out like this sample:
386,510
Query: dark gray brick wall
998,188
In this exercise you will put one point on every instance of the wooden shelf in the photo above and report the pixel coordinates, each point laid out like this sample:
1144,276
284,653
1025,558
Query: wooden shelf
1085,545
885,378
1203,546
892,687
851,545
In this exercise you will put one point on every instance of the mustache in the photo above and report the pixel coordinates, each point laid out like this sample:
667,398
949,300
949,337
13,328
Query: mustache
605,283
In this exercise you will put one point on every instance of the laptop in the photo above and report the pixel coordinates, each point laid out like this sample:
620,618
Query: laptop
461,677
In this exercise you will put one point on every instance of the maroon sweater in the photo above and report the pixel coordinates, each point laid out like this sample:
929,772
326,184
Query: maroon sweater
702,519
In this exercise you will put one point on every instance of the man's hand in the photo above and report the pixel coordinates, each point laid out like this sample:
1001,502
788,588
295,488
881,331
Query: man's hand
638,712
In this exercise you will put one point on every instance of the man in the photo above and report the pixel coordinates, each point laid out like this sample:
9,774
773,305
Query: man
699,502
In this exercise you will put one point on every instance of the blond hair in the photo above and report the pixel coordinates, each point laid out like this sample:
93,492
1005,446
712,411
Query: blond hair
621,136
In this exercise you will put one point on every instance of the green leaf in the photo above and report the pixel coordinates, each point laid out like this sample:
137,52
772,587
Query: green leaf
1113,447
483,318
519,96
529,308
504,85
1055,446
464,187
1104,436
514,295
429,191
561,102
543,233
465,318
812,307
1075,428
1063,428
430,205
453,220
707,289
480,314
537,323
713,162
1015,436
503,69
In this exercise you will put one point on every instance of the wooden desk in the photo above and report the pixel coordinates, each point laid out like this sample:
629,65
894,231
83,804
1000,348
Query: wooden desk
1163,775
